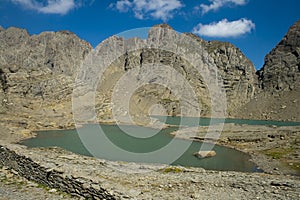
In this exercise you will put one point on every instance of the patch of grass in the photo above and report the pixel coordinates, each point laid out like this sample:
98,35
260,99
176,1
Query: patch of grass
295,166
171,170
58,191
20,185
285,156
42,186
277,153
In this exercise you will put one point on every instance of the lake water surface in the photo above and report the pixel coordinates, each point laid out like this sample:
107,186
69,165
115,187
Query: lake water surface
115,144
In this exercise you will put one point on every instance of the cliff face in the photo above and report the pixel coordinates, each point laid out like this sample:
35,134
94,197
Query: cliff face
37,73
38,67
196,62
281,71
237,72
279,81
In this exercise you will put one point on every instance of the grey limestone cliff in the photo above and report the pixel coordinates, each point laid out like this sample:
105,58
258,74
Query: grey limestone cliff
195,60
38,67
41,69
281,71
279,80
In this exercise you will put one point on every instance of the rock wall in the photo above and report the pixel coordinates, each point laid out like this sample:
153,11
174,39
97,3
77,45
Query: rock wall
38,67
52,178
37,73
281,71
235,71
279,83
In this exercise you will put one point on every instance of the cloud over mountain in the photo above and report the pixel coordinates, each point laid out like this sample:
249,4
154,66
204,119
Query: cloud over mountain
217,4
48,7
142,9
225,28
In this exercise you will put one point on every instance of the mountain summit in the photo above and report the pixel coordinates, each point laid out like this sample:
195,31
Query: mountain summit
37,72
281,71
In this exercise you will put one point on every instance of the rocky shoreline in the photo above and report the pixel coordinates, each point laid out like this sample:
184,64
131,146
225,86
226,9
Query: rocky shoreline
139,181
37,75
148,184
255,140
259,142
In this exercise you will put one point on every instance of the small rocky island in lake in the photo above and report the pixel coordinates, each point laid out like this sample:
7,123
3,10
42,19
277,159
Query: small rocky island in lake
205,154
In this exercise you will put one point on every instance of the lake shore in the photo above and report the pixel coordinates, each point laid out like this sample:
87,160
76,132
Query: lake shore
274,149
276,183
57,168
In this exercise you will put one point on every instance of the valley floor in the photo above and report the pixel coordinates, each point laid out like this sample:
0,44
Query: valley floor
165,182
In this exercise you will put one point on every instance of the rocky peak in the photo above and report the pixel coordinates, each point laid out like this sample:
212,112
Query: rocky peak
163,26
195,37
39,66
281,71
13,36
59,52
162,33
44,65
236,71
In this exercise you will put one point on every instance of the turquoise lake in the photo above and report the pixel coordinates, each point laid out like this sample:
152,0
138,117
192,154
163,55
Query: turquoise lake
113,142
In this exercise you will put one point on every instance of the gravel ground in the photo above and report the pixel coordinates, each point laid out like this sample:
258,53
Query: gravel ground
14,187
157,182
165,182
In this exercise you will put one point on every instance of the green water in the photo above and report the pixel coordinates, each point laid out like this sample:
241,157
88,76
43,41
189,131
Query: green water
226,158
191,121
142,144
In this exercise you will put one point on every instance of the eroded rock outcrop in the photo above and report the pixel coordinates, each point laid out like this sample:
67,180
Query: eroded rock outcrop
38,67
37,73
281,71
237,71
197,63
279,81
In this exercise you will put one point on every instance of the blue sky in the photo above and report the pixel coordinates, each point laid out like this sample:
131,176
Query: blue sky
254,26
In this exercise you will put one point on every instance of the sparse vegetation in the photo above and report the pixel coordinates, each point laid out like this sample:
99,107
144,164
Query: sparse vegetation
277,153
295,166
171,169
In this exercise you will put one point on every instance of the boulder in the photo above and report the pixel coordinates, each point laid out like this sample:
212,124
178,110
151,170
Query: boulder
205,154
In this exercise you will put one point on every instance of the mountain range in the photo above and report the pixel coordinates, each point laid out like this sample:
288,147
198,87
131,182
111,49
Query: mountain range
38,72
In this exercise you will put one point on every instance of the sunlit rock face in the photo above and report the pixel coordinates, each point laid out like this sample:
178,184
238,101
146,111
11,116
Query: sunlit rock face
168,70
281,71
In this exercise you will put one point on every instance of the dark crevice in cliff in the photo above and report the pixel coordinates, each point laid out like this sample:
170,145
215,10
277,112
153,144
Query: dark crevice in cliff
126,62
141,59
3,81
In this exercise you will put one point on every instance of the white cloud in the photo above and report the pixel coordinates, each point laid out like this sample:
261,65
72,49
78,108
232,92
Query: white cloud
217,4
225,28
123,6
48,6
157,9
